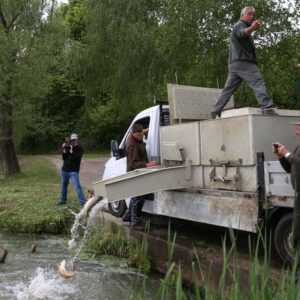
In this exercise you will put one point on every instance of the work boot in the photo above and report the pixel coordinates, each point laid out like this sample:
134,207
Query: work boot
269,110
60,203
126,217
214,115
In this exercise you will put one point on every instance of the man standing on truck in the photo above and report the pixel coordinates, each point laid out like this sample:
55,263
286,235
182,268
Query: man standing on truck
242,64
291,164
136,158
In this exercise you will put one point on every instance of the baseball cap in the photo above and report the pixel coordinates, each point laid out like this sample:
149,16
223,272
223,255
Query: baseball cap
74,136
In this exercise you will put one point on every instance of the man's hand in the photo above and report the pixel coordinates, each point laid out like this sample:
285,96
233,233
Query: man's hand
256,25
151,163
279,149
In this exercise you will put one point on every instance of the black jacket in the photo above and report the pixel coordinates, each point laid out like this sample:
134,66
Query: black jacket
72,160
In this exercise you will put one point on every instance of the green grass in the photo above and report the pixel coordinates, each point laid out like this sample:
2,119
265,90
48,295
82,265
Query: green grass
109,238
28,199
93,155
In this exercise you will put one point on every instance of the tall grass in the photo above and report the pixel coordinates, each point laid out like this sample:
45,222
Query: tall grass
262,284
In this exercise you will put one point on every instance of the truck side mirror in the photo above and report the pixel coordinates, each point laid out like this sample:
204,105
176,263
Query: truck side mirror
115,150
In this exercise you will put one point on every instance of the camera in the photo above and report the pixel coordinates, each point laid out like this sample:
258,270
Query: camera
67,146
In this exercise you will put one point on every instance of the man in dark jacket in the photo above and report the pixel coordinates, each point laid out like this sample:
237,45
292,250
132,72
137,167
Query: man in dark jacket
71,155
242,64
136,158
291,164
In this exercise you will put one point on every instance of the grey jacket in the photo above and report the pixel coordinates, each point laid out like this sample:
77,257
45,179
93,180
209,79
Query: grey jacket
241,45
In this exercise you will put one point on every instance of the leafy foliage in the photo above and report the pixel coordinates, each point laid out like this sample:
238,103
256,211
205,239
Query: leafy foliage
94,64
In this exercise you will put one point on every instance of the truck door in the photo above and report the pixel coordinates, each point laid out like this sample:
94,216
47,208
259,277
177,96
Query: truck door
117,164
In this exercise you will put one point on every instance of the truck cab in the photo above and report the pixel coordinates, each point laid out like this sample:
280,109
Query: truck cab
151,118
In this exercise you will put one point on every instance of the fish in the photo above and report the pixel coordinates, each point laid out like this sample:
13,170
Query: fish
33,248
62,270
3,254
89,204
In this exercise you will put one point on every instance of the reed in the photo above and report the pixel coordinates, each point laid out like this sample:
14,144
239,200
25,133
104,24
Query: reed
261,283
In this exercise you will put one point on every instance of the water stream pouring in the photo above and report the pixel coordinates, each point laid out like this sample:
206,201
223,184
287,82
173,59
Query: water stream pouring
83,219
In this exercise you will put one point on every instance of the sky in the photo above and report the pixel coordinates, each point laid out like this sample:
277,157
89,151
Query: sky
62,1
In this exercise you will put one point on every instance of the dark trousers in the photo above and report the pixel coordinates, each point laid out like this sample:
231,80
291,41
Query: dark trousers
296,222
134,210
296,234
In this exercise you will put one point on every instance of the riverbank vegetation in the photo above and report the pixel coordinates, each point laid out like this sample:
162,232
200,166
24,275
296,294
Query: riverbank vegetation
75,67
28,199
110,238
259,282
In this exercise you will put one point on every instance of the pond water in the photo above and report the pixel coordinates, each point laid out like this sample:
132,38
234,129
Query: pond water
26,275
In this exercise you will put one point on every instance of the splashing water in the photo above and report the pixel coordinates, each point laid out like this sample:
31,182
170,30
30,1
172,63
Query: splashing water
43,285
81,222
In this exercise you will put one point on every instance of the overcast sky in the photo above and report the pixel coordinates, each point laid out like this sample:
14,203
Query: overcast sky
62,1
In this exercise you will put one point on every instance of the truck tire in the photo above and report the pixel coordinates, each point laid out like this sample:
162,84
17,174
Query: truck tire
117,208
283,238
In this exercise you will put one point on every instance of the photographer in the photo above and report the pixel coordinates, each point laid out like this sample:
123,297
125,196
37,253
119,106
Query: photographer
71,155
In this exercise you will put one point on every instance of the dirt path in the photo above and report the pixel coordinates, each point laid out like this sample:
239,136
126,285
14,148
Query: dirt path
91,170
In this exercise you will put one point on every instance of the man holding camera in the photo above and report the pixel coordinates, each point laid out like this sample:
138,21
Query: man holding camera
71,154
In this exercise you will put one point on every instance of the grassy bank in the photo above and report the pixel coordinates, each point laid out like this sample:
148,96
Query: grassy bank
28,199
28,205
109,238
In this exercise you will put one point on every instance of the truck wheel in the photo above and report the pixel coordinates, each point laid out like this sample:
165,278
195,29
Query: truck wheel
117,208
283,238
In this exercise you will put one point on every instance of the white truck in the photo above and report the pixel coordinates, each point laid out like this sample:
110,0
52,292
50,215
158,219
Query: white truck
220,172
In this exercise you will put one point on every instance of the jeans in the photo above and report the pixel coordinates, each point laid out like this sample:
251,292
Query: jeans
74,176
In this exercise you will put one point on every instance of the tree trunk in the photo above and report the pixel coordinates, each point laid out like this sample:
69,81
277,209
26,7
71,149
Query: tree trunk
7,146
9,157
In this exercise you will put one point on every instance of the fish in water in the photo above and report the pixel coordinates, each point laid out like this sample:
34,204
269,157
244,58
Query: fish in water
33,248
62,270
3,254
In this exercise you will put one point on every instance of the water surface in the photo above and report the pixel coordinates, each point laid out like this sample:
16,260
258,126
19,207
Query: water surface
26,275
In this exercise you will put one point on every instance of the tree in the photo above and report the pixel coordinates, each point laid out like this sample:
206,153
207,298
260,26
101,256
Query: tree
23,61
